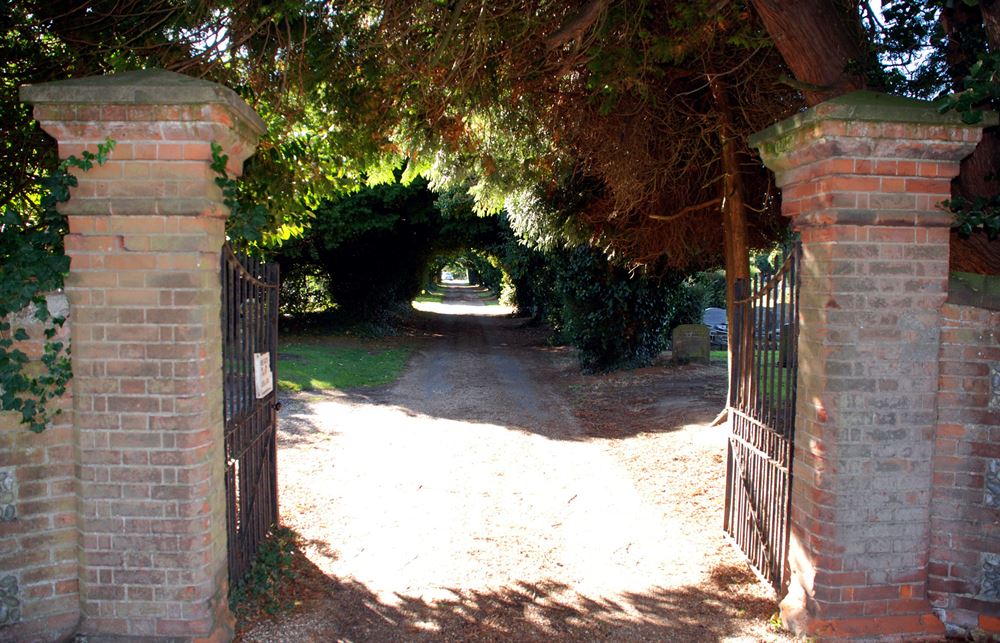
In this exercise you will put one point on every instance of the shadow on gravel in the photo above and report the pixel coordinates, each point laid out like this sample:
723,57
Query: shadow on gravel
494,371
333,609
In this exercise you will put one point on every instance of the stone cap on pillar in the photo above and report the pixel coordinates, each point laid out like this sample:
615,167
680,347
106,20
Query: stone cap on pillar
163,124
867,106
868,158
144,87
869,116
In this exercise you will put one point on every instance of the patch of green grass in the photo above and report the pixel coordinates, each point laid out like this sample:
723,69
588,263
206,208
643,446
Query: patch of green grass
718,356
488,298
315,365
433,296
770,374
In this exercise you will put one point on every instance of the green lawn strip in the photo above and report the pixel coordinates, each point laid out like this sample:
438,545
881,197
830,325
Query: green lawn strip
433,296
315,365
771,374
489,298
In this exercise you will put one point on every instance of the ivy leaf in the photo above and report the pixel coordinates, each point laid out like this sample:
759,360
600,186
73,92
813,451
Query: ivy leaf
972,117
32,263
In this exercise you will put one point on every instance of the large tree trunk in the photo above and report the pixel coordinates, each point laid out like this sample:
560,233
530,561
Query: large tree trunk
821,41
991,22
961,24
734,214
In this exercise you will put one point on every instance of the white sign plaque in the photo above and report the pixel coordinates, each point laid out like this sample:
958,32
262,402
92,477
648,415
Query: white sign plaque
263,379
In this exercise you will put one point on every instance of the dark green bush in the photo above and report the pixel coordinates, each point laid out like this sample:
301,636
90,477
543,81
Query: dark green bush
375,249
616,319
305,291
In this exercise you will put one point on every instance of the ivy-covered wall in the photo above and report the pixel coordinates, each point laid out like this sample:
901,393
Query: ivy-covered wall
39,590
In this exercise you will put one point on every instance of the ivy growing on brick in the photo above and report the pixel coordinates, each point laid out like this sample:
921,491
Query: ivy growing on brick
33,263
246,223
982,90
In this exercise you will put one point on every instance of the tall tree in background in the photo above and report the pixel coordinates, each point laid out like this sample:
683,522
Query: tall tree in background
281,57
642,108
635,106
829,51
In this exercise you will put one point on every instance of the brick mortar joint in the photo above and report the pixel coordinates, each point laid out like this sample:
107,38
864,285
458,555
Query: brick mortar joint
828,217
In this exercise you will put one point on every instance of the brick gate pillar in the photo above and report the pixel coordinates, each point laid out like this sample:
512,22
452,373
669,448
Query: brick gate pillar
144,289
861,177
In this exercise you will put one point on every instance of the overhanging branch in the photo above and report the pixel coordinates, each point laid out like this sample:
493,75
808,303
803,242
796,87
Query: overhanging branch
577,25
688,210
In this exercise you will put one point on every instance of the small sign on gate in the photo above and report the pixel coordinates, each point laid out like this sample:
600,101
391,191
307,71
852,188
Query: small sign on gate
263,379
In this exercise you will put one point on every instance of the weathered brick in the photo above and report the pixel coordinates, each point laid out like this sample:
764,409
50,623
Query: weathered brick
874,277
126,307
959,513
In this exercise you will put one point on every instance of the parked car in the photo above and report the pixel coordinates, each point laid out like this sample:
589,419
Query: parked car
718,326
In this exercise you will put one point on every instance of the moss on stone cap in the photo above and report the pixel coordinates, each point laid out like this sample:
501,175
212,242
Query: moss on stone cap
145,87
868,107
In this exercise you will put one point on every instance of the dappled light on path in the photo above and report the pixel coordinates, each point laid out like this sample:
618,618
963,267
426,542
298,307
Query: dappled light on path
424,528
469,502
344,609
464,300
436,502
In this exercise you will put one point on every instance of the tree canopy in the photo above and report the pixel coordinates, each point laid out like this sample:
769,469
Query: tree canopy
609,135
618,123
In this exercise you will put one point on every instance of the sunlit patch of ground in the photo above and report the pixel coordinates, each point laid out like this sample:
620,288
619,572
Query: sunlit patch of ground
463,299
425,504
494,494
450,308
445,308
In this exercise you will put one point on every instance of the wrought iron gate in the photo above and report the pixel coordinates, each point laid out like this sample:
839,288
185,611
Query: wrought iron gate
762,418
249,341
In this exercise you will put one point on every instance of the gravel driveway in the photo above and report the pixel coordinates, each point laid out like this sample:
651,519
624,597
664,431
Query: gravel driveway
493,493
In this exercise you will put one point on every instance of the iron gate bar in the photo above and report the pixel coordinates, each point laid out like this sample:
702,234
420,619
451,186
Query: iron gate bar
249,326
762,418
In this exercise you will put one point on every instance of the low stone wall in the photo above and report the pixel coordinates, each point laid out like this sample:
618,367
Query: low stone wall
964,568
39,589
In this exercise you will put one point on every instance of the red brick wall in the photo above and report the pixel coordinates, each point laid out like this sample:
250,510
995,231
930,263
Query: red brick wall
38,556
146,228
861,177
964,569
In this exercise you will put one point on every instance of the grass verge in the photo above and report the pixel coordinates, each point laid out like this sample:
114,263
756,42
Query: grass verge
433,295
489,298
314,365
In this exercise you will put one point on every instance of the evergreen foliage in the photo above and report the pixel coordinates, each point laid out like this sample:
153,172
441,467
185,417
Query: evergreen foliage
613,318
374,248
32,264
590,125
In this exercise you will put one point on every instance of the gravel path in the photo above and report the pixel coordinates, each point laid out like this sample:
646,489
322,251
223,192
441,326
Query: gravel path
479,498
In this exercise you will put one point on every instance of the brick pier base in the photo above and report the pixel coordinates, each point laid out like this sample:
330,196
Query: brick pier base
862,176
146,230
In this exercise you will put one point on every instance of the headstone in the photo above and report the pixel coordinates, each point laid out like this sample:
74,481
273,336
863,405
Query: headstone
690,344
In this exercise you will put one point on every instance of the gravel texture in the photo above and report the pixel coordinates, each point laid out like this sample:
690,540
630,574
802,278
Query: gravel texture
495,494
